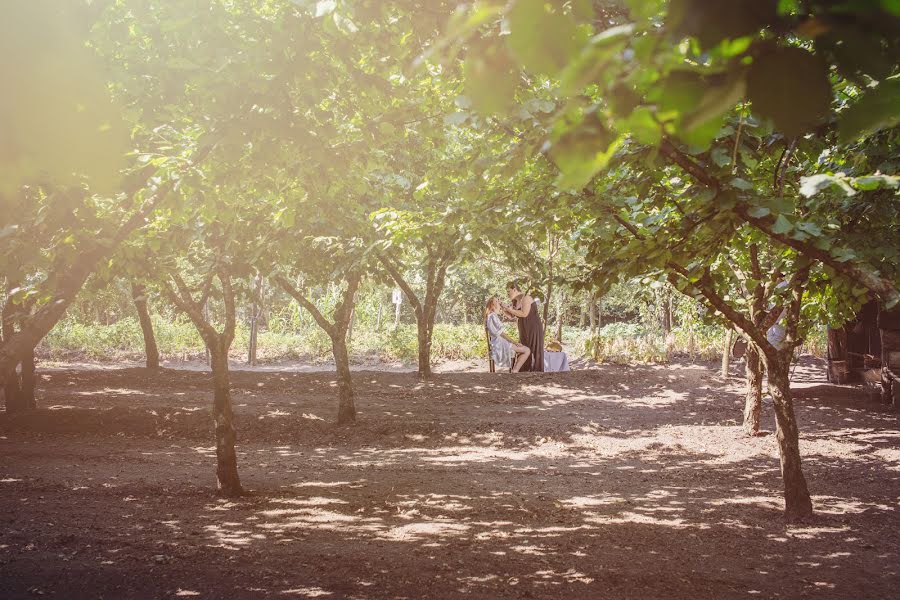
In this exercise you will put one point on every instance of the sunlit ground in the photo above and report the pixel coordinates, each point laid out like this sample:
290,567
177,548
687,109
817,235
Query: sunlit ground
608,482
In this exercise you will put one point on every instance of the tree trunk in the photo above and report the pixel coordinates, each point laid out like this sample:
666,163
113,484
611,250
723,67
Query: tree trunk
28,381
582,317
666,313
550,253
223,418
546,315
753,371
346,406
251,343
12,391
207,349
350,327
726,353
797,502
151,351
425,332
255,310
592,314
559,317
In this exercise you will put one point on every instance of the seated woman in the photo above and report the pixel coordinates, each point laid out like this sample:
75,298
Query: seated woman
503,349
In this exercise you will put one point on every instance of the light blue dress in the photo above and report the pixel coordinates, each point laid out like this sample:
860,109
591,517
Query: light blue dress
501,350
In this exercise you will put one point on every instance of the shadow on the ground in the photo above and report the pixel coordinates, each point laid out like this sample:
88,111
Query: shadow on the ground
615,481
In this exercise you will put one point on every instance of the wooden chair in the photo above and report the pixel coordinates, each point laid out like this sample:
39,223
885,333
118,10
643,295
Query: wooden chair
491,365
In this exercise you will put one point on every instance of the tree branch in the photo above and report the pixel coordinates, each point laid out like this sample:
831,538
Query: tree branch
401,283
301,299
885,289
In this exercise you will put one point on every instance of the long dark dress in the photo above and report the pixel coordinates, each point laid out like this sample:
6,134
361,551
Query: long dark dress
531,334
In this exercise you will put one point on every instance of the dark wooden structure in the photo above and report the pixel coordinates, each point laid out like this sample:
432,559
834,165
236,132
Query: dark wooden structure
868,349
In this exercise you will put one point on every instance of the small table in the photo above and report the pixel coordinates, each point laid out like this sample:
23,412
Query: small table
555,362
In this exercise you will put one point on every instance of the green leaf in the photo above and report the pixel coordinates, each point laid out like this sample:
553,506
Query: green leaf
878,109
721,156
581,153
856,52
790,86
741,184
875,182
810,186
643,9
758,212
542,40
782,225
716,101
593,59
810,228
843,254
643,126
491,80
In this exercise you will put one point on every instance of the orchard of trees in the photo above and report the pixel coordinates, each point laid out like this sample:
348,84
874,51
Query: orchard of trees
734,162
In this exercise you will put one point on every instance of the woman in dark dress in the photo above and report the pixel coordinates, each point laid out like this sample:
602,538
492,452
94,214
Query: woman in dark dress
531,330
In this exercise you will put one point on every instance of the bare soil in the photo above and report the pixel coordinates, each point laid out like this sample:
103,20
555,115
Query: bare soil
607,482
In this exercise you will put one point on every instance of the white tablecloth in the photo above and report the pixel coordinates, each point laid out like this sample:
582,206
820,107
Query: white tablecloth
555,361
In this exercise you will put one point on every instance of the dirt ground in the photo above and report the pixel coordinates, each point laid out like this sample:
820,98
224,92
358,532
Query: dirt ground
607,482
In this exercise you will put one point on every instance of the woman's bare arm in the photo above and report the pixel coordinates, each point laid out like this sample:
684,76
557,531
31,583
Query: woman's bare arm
524,310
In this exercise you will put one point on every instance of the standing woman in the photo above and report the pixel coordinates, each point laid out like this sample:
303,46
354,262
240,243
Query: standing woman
531,330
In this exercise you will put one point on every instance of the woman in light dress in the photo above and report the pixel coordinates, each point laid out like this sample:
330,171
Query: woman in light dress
504,350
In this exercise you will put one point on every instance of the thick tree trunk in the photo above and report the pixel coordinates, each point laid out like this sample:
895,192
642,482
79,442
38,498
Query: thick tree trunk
346,406
12,391
797,502
223,419
753,371
151,351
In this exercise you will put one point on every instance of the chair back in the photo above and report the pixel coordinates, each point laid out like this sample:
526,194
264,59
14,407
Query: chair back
491,365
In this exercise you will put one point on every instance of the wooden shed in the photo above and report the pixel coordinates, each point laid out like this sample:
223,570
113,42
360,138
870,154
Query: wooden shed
868,349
